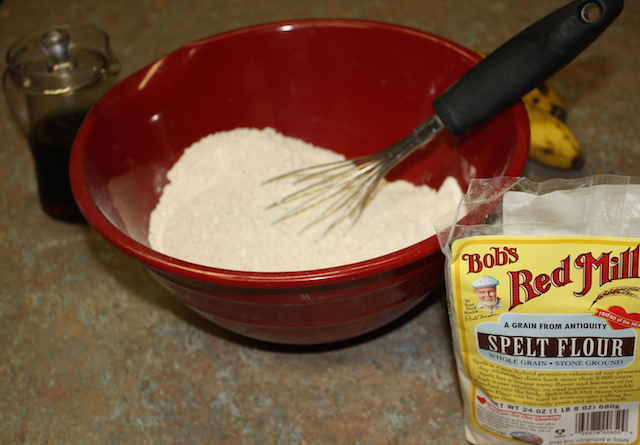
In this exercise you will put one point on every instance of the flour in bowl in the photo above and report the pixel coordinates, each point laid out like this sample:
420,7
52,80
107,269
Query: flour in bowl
213,210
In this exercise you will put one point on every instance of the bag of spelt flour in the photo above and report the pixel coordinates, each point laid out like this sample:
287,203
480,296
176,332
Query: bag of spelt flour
543,287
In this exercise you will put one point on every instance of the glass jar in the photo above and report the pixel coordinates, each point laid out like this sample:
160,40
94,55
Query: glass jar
53,77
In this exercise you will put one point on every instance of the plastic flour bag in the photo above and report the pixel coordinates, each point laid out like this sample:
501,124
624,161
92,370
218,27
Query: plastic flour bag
543,286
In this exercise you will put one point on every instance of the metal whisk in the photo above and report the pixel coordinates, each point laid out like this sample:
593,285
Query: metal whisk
350,185
494,84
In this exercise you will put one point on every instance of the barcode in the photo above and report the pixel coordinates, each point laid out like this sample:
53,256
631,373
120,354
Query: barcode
614,420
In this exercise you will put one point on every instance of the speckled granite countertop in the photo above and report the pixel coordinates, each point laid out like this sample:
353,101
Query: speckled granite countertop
93,351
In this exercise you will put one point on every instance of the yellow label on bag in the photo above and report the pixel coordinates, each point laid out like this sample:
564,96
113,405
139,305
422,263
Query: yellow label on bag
547,329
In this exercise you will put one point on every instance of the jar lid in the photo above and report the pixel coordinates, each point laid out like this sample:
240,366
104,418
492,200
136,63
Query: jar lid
61,60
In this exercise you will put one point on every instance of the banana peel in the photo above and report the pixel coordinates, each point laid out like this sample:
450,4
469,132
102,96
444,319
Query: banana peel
548,100
552,142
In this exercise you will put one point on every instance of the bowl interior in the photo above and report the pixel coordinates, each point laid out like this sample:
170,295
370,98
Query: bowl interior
351,86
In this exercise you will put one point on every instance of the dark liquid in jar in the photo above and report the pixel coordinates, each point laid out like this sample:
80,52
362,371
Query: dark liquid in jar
51,140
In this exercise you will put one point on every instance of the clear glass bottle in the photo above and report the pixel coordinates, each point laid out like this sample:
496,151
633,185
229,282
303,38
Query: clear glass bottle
52,79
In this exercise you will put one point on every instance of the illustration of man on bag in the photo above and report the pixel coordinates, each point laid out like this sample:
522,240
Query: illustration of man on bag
485,289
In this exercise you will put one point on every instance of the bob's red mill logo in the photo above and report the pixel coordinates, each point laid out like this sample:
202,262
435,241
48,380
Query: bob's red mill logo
524,285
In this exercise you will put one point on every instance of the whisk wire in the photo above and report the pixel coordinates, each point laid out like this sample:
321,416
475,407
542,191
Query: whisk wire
352,203
337,180
348,186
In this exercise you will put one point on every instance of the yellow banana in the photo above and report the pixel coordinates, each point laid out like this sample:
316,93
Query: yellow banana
552,142
547,98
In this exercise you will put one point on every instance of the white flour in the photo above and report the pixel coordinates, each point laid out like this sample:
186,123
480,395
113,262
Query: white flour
212,211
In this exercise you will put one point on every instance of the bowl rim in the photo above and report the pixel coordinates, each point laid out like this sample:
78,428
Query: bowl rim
165,264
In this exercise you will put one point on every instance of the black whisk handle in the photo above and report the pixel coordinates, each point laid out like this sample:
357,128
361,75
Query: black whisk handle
523,63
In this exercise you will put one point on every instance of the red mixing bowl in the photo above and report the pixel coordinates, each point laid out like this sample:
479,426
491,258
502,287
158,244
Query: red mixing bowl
351,86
